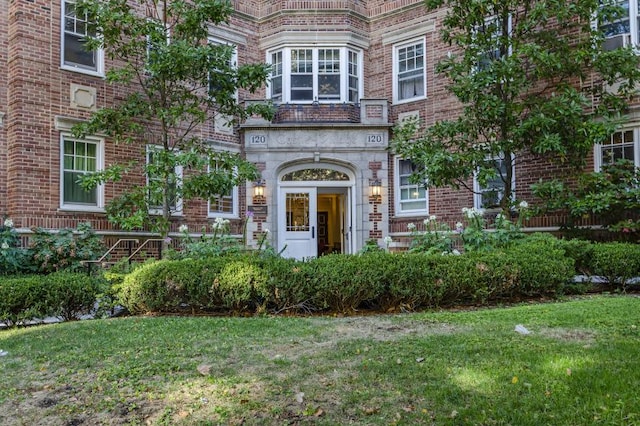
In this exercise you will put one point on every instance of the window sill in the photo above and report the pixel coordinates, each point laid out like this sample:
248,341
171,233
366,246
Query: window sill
81,70
406,101
78,208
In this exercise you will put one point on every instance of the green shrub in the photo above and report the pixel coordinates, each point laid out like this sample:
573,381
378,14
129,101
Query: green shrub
71,294
22,298
289,284
617,262
343,282
13,258
63,294
242,284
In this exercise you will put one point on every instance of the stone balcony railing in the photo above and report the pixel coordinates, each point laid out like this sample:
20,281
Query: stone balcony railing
368,112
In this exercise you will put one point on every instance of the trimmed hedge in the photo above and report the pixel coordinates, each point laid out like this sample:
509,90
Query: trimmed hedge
62,294
345,283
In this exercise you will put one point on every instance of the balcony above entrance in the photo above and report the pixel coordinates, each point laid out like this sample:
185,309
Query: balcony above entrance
368,112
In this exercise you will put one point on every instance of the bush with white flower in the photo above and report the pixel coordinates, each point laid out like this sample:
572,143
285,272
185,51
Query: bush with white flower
478,236
436,237
12,257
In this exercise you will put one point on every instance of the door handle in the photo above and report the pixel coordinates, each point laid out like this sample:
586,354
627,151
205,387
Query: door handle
313,232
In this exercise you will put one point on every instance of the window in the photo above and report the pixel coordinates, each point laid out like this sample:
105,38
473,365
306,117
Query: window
622,31
225,205
155,183
410,198
75,28
354,77
488,196
322,74
621,145
80,157
489,35
218,77
409,71
276,76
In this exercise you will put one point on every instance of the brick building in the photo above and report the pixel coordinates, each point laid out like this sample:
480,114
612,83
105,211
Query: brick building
344,71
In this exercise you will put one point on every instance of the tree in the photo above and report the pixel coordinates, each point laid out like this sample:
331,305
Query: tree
526,74
175,80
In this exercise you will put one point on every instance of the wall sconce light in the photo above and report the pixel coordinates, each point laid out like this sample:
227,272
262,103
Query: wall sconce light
258,190
375,186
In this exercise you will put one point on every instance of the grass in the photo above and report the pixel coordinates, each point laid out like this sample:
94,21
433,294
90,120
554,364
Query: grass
580,366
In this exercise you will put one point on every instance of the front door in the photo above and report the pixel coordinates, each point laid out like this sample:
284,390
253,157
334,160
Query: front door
298,224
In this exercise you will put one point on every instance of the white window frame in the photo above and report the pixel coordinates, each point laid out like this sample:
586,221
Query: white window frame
396,70
71,66
623,39
74,206
478,191
234,58
177,211
489,21
234,214
399,187
599,158
344,72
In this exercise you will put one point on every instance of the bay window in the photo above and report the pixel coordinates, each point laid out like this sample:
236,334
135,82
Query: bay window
315,74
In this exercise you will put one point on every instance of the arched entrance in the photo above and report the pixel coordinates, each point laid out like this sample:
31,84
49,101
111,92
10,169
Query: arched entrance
315,205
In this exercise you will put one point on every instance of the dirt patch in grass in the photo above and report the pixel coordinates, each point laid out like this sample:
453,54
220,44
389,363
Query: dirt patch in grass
337,330
586,337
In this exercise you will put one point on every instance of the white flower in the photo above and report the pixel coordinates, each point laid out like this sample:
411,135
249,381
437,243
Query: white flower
523,204
183,228
472,213
500,216
220,223
411,226
266,231
4,246
432,217
388,240
455,252
8,223
459,226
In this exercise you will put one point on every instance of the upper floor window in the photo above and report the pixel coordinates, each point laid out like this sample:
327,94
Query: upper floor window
489,194
622,145
80,157
489,35
323,74
75,29
409,71
411,198
218,77
623,30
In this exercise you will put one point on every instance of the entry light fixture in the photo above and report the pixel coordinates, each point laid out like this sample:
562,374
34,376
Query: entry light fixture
375,187
258,190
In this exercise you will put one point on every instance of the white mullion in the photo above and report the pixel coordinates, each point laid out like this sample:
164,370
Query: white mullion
315,57
344,74
286,75
633,22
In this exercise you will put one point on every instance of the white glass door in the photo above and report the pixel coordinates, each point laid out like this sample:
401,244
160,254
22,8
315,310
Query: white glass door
297,223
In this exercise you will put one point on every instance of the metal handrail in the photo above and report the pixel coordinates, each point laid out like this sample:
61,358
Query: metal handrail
110,250
142,246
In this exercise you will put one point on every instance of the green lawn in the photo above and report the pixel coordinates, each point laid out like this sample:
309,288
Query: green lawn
580,366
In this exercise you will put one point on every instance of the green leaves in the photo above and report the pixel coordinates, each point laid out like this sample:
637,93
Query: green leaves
534,85
175,80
